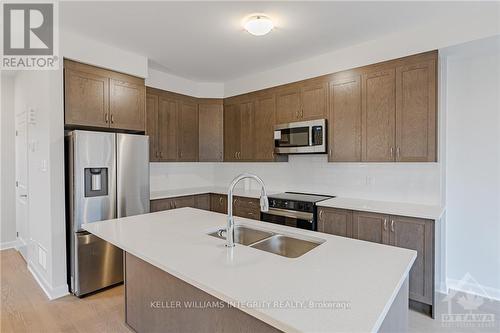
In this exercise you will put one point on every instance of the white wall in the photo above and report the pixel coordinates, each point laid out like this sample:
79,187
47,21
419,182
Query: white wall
77,47
402,182
41,91
181,175
445,32
7,168
169,82
473,163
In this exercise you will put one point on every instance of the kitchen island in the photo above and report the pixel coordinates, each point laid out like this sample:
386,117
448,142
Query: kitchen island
179,278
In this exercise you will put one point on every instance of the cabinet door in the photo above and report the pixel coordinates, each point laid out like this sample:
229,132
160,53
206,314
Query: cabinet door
86,99
211,128
416,234
127,105
188,131
370,227
345,119
152,126
186,201
335,221
264,128
218,203
232,129
416,112
378,122
314,101
247,134
167,129
202,201
288,105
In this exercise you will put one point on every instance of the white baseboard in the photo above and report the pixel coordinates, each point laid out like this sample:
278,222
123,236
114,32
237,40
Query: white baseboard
52,293
9,245
473,288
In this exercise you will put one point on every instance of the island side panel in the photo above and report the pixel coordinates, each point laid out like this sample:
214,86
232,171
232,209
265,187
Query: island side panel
156,301
396,320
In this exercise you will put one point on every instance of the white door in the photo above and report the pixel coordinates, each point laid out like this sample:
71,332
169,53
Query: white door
22,182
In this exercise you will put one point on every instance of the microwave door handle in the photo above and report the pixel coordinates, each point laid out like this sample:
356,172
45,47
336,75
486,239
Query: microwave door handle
310,136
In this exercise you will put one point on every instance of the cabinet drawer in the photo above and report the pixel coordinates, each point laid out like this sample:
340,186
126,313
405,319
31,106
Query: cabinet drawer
246,207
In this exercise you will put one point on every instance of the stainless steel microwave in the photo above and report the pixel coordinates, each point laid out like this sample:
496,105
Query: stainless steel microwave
303,137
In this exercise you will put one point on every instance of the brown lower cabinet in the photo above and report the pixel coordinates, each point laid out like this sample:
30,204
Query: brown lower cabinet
242,206
406,232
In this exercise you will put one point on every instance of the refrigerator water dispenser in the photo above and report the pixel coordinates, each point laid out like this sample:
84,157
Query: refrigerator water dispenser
96,182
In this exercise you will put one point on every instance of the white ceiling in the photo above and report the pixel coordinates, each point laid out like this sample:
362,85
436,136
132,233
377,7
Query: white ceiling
204,41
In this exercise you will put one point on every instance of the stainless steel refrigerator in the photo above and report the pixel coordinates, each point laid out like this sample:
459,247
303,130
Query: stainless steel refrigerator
107,176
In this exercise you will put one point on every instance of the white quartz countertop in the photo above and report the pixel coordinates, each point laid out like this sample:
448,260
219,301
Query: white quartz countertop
432,212
275,289
238,191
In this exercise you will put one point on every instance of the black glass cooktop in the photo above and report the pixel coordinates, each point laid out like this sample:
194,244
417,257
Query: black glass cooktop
303,197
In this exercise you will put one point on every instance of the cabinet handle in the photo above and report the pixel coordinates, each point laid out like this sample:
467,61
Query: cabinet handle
320,214
112,119
330,152
385,224
392,152
397,153
301,113
106,118
220,200
161,154
392,225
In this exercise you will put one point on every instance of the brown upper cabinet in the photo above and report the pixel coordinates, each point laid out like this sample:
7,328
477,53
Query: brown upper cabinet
345,118
100,98
384,112
172,126
416,112
188,131
264,121
301,101
378,100
152,126
211,130
239,131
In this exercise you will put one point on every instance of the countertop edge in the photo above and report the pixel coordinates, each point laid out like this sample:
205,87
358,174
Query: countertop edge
250,311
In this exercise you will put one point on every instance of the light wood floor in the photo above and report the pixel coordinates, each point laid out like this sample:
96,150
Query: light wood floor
25,308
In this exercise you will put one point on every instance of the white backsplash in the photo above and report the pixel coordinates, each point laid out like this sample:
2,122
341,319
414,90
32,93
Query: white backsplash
404,182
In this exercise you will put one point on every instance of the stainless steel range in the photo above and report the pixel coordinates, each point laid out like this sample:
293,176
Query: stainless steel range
294,209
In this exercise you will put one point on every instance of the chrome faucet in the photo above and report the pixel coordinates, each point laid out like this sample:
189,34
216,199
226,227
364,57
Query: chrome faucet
264,204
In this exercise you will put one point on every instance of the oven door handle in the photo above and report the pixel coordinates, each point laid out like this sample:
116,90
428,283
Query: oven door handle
291,214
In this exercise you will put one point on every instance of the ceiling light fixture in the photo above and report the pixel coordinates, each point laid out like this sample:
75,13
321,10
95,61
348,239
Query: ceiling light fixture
259,25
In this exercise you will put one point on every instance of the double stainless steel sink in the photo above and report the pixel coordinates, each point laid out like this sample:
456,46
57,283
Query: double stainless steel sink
279,244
